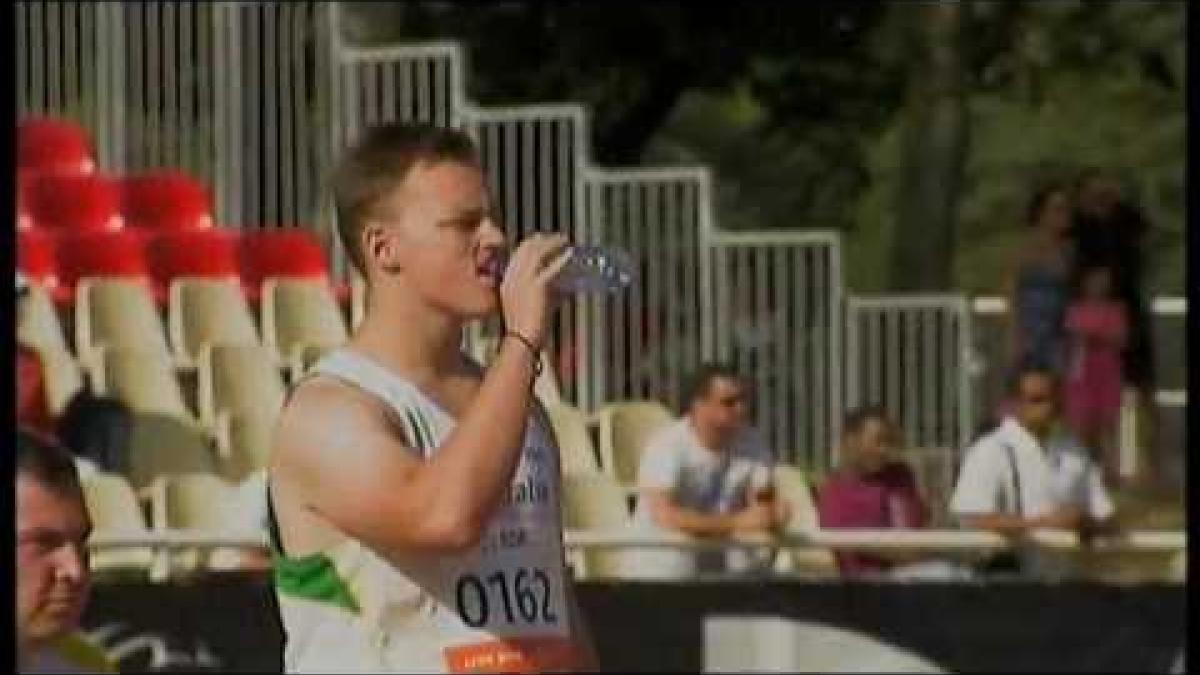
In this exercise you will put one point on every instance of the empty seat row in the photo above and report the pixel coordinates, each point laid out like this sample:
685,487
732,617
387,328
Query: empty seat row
159,200
297,317
59,186
58,261
197,502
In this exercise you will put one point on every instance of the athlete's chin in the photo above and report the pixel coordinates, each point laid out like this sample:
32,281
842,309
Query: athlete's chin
481,306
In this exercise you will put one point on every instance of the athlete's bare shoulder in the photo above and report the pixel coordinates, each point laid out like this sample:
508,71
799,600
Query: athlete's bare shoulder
327,420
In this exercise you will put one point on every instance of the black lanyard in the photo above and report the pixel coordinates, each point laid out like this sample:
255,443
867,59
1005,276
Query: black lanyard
1016,476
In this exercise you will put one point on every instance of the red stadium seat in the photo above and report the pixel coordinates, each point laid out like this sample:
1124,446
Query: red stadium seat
36,260
117,253
24,217
285,252
54,145
191,253
74,202
166,200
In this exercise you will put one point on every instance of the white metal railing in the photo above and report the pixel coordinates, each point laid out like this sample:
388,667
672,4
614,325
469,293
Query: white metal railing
641,343
911,353
777,315
221,90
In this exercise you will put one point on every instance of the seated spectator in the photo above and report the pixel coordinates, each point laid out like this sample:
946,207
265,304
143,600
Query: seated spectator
1030,474
97,429
870,490
708,475
53,579
32,410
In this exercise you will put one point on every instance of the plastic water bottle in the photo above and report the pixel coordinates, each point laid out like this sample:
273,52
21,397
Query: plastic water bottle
595,269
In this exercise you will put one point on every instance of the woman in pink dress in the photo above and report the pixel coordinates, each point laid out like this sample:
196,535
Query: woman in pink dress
1097,329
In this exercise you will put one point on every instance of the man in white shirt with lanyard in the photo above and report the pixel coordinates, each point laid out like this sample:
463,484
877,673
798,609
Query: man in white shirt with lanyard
413,499
1029,474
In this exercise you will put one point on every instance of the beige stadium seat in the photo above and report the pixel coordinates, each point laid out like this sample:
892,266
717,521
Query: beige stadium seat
62,378
300,315
144,380
207,311
160,445
118,313
575,446
39,326
244,444
202,503
240,394
114,509
792,485
625,429
236,379
596,502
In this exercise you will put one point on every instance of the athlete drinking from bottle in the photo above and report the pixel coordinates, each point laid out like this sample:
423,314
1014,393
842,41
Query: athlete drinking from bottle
415,498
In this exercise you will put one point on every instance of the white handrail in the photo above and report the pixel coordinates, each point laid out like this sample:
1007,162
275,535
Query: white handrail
1143,541
1163,305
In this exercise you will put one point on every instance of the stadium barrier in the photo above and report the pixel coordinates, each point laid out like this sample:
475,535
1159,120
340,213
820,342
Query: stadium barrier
229,623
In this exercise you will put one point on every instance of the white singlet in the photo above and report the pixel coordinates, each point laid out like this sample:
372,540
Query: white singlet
499,607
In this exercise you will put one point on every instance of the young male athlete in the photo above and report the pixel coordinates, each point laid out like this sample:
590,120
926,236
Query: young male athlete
414,498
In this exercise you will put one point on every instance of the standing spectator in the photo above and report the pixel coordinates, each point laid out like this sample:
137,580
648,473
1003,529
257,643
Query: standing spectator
1098,329
1038,285
1027,474
708,475
870,490
1110,230
53,580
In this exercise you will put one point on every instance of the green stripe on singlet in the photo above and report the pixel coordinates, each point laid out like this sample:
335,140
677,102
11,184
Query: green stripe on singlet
309,577
426,428
422,437
313,577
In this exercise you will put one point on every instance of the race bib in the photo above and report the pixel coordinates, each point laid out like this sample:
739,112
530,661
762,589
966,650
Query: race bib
513,592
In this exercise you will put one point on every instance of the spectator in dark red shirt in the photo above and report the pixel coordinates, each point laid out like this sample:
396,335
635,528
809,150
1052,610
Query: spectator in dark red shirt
870,490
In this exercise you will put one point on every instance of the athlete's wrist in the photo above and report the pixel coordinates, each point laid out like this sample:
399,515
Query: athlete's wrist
526,345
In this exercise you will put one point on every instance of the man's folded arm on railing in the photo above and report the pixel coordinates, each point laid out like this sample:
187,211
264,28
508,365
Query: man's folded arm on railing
758,515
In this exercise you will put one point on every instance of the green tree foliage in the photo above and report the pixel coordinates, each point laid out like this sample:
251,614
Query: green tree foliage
1055,86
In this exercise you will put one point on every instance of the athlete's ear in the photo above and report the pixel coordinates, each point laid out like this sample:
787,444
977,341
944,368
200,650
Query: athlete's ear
379,244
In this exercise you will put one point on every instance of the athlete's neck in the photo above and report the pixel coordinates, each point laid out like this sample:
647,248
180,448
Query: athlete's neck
410,338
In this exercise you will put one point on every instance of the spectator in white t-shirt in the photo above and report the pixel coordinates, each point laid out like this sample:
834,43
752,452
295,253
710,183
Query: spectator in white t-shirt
1029,474
708,474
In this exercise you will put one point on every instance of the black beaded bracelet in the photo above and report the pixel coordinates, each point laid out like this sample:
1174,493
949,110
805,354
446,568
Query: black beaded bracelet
537,360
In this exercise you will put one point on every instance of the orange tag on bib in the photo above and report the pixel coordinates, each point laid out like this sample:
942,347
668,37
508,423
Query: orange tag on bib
514,655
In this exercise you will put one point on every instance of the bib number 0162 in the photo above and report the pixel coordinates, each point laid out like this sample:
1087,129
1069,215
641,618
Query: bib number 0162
524,596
